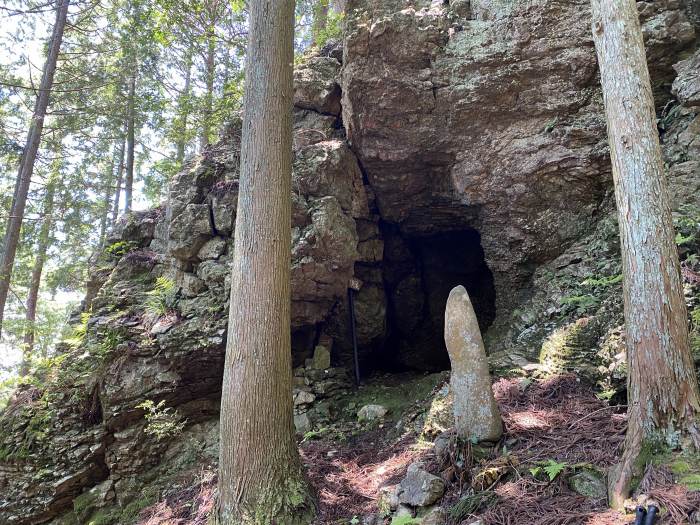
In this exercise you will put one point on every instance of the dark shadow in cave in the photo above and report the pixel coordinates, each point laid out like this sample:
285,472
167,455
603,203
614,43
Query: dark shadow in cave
419,273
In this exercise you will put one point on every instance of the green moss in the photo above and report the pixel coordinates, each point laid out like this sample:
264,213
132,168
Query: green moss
691,481
396,393
104,517
572,348
132,510
405,520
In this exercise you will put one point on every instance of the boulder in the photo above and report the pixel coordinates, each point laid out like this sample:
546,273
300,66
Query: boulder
435,516
188,231
371,412
420,488
476,413
589,483
212,249
315,85
686,86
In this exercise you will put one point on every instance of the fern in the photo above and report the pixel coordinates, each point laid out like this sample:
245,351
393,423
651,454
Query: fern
550,467
162,298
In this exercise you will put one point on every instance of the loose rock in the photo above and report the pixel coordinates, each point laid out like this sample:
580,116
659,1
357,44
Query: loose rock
420,488
371,412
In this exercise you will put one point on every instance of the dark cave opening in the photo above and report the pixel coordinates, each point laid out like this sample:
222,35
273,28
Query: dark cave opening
419,273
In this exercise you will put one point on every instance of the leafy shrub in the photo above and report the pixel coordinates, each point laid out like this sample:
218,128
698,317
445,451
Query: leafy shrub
162,422
119,248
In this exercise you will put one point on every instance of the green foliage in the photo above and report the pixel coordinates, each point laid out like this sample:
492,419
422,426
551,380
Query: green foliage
162,422
333,30
603,282
581,303
162,298
120,248
405,520
687,224
550,467
470,504
79,331
314,434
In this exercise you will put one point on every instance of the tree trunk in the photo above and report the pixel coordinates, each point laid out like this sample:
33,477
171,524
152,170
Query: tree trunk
184,110
26,170
120,177
260,473
338,6
130,139
107,200
35,284
320,21
663,396
209,95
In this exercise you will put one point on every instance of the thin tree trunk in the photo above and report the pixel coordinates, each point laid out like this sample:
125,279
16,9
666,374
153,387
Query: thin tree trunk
338,6
35,284
663,396
320,21
107,200
184,111
130,144
120,179
209,95
26,170
260,473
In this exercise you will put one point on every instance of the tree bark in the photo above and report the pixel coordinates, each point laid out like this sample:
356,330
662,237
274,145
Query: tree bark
120,177
663,396
130,144
107,199
210,72
260,473
26,170
184,112
35,284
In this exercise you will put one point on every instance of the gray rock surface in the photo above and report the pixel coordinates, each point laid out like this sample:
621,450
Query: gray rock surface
420,488
316,87
516,81
589,483
686,86
476,413
371,413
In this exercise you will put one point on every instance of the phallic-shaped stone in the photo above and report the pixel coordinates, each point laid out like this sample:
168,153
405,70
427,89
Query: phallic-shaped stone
476,413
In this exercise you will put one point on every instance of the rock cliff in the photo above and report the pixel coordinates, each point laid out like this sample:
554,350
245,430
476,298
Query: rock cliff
442,143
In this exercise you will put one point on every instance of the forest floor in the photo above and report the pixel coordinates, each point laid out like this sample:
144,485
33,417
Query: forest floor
556,429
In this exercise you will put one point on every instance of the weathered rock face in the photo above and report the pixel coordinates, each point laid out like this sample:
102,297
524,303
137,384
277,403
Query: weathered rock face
686,87
468,147
487,114
475,409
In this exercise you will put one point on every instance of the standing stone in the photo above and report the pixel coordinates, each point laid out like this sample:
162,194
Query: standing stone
476,413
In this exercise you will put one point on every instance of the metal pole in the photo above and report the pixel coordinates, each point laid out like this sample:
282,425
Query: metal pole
353,330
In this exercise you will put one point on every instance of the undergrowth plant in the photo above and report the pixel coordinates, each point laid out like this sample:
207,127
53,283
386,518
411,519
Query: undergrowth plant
163,422
550,467
161,299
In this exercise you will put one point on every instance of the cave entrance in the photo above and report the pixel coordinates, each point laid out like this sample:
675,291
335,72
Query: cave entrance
419,273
